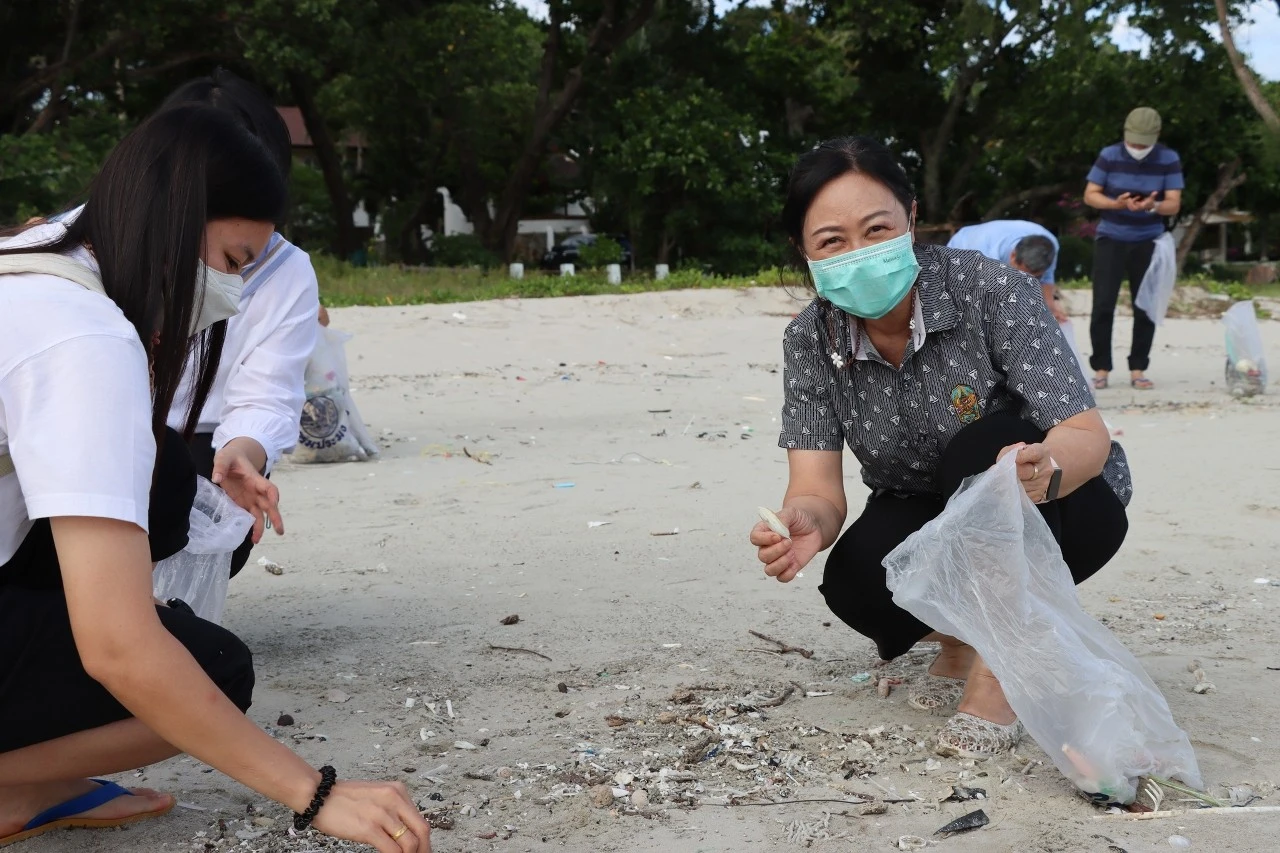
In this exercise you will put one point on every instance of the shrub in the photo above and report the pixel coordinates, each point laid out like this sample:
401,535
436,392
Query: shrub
599,253
461,250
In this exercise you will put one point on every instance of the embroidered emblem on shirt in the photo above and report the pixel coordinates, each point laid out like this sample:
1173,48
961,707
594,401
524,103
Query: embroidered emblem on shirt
964,403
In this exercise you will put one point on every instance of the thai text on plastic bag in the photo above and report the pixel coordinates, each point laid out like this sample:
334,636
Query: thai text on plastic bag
1246,363
1161,277
331,428
198,574
988,571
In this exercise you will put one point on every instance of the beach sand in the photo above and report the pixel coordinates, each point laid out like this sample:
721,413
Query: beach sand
655,413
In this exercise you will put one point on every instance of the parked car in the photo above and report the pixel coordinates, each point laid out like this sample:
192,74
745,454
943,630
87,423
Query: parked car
566,251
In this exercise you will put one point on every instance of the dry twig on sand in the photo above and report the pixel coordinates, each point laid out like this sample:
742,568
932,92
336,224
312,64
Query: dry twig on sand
515,649
783,648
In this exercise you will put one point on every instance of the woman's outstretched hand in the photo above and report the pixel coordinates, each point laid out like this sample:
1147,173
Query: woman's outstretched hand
379,814
237,469
785,558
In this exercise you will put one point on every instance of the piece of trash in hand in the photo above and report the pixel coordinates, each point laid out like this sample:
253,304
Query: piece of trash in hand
973,820
272,567
775,524
510,620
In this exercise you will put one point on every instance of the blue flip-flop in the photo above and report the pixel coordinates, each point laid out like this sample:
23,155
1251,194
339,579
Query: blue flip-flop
64,815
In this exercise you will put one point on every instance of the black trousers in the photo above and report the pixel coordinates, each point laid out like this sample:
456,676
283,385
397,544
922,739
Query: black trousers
202,454
1090,524
44,691
1112,262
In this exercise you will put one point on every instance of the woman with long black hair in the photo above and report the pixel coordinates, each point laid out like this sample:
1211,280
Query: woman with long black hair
97,321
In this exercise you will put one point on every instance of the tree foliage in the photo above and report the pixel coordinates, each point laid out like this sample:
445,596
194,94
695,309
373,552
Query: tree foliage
675,124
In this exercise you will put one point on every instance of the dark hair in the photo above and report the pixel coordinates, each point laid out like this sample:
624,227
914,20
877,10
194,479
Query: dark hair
830,160
145,224
1035,253
249,104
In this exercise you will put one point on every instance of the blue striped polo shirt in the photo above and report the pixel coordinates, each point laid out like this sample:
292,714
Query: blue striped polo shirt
1117,172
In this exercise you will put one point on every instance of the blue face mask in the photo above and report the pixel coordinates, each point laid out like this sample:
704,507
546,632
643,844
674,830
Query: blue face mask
868,282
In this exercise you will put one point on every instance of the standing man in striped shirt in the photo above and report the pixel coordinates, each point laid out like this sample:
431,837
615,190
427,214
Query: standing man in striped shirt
1135,184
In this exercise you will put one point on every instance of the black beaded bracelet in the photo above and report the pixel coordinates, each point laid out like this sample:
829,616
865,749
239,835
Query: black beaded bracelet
327,777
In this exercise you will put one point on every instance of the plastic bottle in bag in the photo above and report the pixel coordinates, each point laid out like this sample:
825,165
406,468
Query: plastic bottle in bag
198,574
988,571
1246,370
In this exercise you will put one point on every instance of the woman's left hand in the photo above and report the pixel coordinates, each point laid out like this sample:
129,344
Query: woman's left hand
1035,469
235,471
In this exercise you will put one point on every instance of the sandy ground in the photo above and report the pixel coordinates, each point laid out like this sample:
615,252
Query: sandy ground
660,410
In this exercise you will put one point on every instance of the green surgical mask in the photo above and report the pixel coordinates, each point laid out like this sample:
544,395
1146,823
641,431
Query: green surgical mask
868,282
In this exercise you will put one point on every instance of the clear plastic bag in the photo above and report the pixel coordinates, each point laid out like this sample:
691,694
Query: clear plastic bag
198,574
988,571
1246,371
1161,277
331,429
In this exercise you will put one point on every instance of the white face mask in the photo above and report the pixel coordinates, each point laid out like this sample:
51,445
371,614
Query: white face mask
1138,153
221,297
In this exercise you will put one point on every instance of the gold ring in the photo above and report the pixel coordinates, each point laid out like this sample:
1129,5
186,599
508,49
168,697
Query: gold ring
395,836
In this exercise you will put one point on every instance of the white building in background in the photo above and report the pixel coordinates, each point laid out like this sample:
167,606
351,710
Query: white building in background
573,219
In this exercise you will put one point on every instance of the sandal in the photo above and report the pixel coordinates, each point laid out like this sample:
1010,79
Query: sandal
65,815
1099,383
1142,383
967,736
936,694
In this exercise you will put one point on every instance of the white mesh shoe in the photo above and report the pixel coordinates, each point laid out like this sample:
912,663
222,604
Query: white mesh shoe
967,736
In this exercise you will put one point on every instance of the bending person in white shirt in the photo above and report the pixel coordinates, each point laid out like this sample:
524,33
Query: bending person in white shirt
95,678
254,410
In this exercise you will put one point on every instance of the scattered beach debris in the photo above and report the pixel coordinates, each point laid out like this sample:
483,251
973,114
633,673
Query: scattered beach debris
783,648
284,721
884,687
675,531
517,649
973,820
484,457
336,695
912,842
271,566
1203,684
511,620
961,794
1179,841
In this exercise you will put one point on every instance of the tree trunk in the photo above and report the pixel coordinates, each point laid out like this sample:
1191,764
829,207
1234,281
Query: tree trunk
1029,194
1245,75
1227,181
330,164
605,38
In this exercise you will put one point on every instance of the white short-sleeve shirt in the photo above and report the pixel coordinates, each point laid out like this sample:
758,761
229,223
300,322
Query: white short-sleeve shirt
75,407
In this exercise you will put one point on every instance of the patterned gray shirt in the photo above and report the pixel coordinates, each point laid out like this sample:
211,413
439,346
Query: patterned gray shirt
990,345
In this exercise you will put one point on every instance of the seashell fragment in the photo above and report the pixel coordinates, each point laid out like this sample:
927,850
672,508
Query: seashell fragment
768,517
640,798
911,842
973,820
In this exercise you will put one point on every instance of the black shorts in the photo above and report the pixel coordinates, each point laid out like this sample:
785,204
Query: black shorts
45,692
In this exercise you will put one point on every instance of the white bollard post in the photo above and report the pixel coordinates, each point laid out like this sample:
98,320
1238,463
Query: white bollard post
517,271
661,271
566,270
614,272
